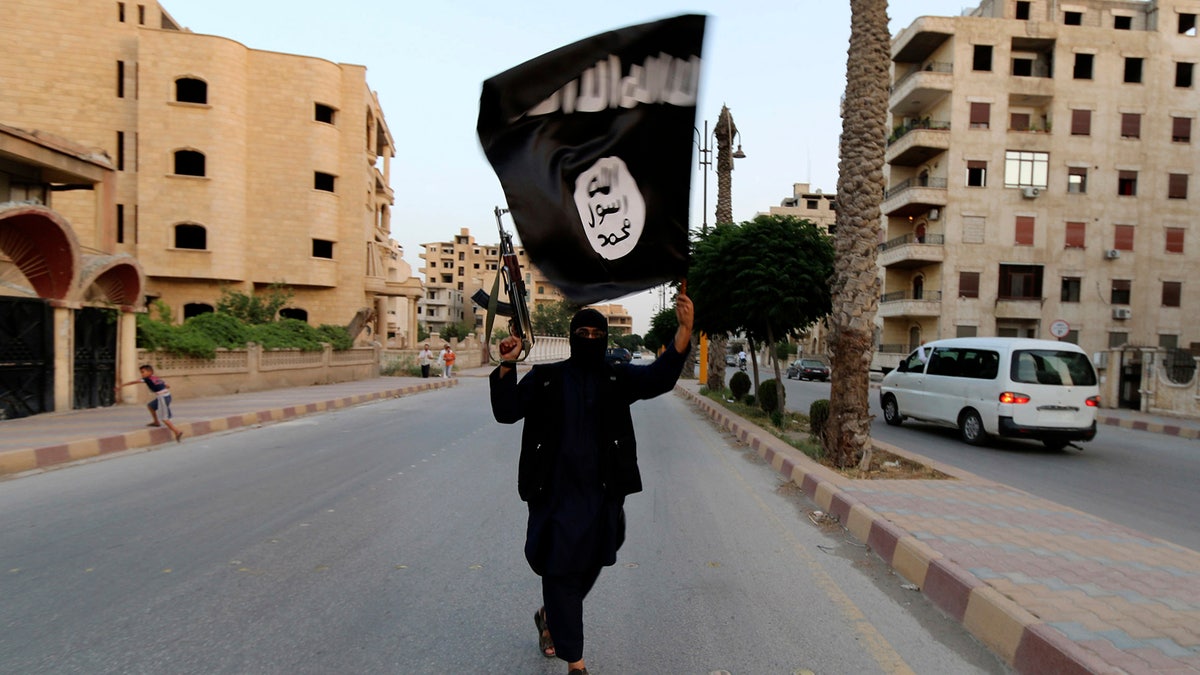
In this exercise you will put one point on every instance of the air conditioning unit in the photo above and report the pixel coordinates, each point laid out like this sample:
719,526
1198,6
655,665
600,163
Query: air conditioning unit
934,214
1122,313
1030,192
1112,254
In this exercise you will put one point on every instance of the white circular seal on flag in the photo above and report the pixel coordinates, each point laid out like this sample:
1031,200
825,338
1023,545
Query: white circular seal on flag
611,207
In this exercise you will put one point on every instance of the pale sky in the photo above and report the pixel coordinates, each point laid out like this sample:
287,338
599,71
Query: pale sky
779,65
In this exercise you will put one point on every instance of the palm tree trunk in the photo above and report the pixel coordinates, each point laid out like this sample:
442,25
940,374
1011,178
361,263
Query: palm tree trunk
847,438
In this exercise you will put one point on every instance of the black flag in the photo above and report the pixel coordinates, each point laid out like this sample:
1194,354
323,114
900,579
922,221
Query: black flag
592,143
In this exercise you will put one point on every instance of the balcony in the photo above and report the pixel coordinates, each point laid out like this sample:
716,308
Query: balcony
902,303
917,142
919,90
1019,308
907,252
914,196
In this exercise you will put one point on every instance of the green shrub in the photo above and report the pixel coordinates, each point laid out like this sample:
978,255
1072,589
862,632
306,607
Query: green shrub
223,329
337,336
769,394
287,334
403,365
749,400
818,417
739,385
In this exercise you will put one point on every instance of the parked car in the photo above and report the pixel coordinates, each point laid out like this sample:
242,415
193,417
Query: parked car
1014,387
617,355
808,369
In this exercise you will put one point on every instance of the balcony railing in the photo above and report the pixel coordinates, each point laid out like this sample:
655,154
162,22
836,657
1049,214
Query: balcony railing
931,67
928,239
935,183
925,296
935,125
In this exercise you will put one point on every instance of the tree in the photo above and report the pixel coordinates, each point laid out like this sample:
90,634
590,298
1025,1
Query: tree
662,329
255,309
847,436
552,318
768,278
632,342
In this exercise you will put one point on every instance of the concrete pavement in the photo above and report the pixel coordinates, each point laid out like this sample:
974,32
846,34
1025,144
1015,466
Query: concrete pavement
1050,589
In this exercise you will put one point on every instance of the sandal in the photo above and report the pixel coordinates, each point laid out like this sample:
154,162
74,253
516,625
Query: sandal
545,644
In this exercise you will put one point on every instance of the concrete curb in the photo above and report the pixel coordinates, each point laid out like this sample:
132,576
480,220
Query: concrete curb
1025,643
34,458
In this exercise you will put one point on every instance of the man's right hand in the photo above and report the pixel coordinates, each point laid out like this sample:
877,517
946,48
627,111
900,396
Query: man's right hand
510,348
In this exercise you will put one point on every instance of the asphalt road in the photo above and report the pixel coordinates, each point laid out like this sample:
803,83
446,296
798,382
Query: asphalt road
386,538
1141,480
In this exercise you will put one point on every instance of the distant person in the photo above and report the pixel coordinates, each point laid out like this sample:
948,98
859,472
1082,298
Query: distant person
578,462
447,358
425,359
160,405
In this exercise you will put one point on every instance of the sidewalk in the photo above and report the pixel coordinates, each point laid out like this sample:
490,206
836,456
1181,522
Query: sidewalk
1049,589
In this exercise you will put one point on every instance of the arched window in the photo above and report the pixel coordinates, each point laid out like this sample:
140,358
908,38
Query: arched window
918,288
191,90
294,313
189,235
189,163
196,309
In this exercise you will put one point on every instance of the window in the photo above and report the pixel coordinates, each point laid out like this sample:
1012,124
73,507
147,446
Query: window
120,223
322,248
1133,70
120,79
120,151
1025,169
1183,74
1022,66
1081,122
196,309
324,113
1076,234
1177,186
1121,289
983,58
1123,237
1181,129
1023,9
1073,18
1018,121
1024,236
966,331
981,114
1175,239
811,204
191,90
1187,24
1123,22
1171,293
191,236
323,181
1131,125
976,173
1071,289
189,163
1127,183
1020,282
968,284
141,15
1117,339
1083,66
1077,180
121,12
294,313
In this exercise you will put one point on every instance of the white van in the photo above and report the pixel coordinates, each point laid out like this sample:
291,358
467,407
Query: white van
1014,387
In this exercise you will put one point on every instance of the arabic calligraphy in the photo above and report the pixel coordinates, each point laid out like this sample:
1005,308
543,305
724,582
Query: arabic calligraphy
611,208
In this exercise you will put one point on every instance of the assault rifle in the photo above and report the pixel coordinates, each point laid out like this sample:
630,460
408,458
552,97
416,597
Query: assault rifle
515,309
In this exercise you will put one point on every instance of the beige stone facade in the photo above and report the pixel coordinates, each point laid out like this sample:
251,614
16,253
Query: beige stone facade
236,168
1043,176
808,204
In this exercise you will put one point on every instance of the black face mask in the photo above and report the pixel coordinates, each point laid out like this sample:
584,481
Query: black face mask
588,352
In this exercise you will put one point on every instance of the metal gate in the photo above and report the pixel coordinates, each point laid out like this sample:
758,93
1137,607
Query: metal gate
95,357
26,358
1129,395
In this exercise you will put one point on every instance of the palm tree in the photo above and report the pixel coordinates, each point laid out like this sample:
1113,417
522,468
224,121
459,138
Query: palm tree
847,437
724,132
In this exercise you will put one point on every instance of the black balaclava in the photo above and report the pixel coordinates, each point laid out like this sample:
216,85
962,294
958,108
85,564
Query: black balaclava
588,351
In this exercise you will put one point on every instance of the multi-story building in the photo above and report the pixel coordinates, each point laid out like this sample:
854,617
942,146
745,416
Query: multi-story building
236,168
1040,176
811,205
455,270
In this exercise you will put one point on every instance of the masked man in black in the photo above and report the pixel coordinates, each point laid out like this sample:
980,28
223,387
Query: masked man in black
578,462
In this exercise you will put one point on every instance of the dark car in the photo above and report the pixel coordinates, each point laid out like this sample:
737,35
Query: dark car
617,355
808,369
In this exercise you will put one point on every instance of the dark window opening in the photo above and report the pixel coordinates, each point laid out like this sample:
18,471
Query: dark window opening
323,181
1071,289
1131,125
1081,122
1073,18
196,309
1172,292
983,58
1187,24
322,248
324,113
191,90
1077,180
120,223
120,79
968,284
976,173
294,313
189,163
120,151
1022,67
1083,66
1121,291
1019,121
1123,22
1177,186
1183,74
1023,10
141,15
121,12
980,115
1181,129
1133,70
191,236
1020,282
1127,183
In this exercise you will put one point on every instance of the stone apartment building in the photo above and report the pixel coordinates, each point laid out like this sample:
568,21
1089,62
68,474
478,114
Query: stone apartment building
455,270
808,204
235,168
1041,174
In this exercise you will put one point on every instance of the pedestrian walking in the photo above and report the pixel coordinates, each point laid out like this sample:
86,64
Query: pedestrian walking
160,405
447,358
578,462
425,359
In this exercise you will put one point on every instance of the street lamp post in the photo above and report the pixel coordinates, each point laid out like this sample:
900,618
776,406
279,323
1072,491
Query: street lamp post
704,143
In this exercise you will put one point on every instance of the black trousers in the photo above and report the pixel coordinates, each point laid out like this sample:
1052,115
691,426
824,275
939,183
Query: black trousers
563,596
